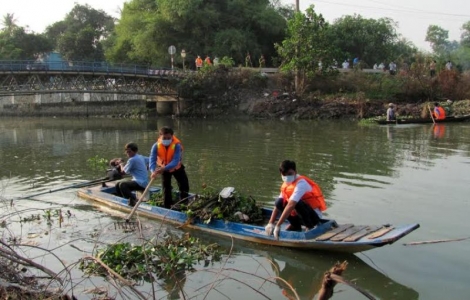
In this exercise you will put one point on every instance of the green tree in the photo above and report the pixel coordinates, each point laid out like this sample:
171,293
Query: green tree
18,44
9,23
369,39
306,46
403,51
80,36
465,36
202,27
438,38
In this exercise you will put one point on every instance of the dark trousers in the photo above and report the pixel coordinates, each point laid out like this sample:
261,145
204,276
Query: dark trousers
124,188
305,215
183,185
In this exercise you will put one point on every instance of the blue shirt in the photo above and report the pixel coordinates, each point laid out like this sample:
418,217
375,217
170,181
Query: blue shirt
172,164
137,167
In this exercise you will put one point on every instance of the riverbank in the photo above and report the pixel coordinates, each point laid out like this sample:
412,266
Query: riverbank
274,104
354,95
247,93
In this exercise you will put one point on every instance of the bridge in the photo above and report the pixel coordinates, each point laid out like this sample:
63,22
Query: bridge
31,77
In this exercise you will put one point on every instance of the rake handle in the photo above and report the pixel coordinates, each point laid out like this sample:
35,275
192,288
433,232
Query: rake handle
140,200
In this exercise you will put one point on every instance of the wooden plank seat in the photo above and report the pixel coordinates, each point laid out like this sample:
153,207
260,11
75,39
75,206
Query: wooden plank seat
332,233
385,229
358,235
347,233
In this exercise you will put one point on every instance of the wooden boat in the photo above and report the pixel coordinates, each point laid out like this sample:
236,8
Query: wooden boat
450,119
327,236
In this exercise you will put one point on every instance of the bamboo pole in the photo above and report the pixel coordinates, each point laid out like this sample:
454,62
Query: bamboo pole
435,241
432,117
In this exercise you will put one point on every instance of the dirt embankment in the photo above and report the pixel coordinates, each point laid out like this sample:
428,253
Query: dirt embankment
272,104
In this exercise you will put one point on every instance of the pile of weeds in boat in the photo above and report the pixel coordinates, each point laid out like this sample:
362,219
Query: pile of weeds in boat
159,258
209,205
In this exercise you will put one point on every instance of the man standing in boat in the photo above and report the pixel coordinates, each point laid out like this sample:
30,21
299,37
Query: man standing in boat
135,166
439,112
301,202
166,160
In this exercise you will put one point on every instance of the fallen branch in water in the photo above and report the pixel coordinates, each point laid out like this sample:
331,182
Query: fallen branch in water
332,277
435,241
116,275
328,284
12,256
340,279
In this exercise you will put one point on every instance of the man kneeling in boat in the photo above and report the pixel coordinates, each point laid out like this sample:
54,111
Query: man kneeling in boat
301,202
137,167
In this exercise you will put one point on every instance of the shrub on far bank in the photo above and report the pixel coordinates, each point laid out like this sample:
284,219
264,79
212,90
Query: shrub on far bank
411,86
213,81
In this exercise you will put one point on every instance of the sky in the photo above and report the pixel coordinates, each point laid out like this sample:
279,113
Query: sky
413,16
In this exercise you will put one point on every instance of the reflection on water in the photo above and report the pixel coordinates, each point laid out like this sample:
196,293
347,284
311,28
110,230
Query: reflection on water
45,152
439,130
303,270
369,174
306,277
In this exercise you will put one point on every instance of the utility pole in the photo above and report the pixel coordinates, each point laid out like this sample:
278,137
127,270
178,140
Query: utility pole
297,75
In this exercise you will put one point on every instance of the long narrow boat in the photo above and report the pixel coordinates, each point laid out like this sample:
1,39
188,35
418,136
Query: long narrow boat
450,119
327,236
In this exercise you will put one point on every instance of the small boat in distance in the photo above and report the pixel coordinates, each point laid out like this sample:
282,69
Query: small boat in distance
450,119
327,236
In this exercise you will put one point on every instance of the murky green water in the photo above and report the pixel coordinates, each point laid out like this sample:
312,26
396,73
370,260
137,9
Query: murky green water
370,175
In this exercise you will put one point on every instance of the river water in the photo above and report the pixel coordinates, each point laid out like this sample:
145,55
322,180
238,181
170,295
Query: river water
371,175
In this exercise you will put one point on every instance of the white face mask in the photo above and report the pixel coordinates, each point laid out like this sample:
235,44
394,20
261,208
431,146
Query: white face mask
167,142
288,178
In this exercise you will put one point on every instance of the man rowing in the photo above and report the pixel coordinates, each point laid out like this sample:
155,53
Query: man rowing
439,112
137,167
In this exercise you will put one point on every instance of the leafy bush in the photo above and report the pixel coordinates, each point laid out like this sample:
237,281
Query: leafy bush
97,163
227,61
162,258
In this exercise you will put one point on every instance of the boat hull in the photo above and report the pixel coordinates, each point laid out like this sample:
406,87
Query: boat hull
452,119
327,236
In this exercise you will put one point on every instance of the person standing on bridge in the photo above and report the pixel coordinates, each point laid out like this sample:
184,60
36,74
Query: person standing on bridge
248,62
166,160
262,62
198,62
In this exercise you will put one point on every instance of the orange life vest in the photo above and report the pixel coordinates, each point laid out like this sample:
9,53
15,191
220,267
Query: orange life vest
165,154
208,61
198,62
313,198
442,113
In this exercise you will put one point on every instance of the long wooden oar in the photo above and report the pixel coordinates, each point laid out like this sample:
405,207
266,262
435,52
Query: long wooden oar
432,117
77,185
140,200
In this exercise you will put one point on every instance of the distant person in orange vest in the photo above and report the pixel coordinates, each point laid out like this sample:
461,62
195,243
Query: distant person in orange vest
166,160
198,62
439,112
301,202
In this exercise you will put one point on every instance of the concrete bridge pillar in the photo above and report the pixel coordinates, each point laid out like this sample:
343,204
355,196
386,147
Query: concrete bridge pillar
166,108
